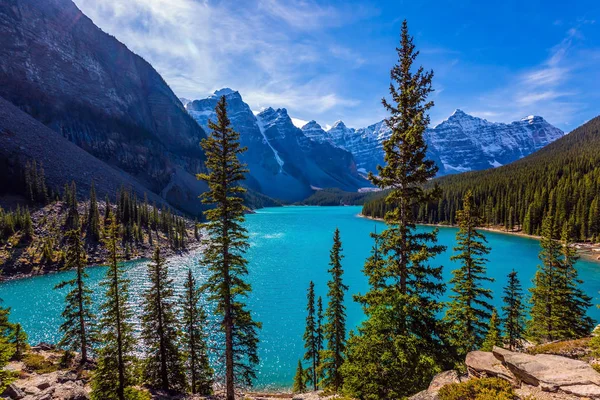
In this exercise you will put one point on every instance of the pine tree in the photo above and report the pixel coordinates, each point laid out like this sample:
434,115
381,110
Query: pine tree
572,302
72,221
544,317
227,241
319,337
494,335
299,382
163,367
113,374
18,339
335,328
514,314
93,223
470,304
78,324
310,338
193,321
402,303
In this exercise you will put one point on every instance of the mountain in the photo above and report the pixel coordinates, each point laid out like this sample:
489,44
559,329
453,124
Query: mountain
460,143
65,72
284,162
23,138
563,179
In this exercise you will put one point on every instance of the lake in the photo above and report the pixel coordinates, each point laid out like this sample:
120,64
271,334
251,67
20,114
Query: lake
289,248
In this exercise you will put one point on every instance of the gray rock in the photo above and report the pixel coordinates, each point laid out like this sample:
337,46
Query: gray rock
552,373
13,392
439,381
70,391
483,364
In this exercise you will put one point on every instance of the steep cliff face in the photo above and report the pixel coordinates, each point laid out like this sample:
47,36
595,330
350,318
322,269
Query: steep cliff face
284,162
60,68
460,143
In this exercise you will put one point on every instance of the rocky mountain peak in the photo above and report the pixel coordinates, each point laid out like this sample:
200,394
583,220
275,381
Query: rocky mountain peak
311,125
224,92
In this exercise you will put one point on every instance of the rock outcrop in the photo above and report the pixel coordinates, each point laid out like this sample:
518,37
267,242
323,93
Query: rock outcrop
439,381
59,385
552,373
483,364
546,372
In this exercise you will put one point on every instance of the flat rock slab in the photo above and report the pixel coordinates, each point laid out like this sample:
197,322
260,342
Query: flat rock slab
552,373
483,364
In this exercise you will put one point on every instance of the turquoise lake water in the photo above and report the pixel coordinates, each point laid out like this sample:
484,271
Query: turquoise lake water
289,247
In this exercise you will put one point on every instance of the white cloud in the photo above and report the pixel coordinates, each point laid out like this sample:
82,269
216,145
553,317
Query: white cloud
254,47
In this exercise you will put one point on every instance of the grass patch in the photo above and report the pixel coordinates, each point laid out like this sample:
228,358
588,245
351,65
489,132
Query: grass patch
478,389
577,348
37,363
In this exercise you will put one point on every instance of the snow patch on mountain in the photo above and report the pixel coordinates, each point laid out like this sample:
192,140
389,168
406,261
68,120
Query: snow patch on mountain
458,144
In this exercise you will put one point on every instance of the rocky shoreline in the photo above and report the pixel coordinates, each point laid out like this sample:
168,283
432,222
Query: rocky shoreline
19,261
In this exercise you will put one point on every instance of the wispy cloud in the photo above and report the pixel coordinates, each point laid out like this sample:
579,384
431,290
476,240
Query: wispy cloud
256,48
551,89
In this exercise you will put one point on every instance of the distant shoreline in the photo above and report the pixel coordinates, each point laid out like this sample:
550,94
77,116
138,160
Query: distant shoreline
588,251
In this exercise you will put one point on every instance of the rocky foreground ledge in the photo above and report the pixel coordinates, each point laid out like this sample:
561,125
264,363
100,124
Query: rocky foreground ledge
541,376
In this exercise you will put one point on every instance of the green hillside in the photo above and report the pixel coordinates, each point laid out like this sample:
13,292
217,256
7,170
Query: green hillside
562,178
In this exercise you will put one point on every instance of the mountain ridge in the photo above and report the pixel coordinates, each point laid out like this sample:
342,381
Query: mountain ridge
460,143
284,163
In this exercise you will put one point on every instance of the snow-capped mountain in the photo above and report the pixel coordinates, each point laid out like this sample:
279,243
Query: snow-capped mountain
284,162
460,143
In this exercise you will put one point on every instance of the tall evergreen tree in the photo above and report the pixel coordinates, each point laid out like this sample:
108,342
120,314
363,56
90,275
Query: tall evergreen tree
402,303
310,338
544,317
319,336
18,338
558,305
573,302
93,222
470,305
194,321
335,328
494,334
227,241
113,374
78,325
163,367
514,314
299,381
72,221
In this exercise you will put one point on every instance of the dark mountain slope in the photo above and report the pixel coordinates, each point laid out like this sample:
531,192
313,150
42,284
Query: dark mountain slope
83,83
23,139
563,179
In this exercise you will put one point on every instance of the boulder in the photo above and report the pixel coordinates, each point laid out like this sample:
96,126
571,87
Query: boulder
552,373
13,392
483,364
70,391
439,381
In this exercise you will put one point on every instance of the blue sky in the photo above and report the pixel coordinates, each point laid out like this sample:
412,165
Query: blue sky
330,60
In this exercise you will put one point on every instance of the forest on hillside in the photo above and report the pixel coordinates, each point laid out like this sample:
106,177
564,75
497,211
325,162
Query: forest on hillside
563,180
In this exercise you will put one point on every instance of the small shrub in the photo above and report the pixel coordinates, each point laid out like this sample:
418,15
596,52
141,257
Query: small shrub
478,389
37,363
132,393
